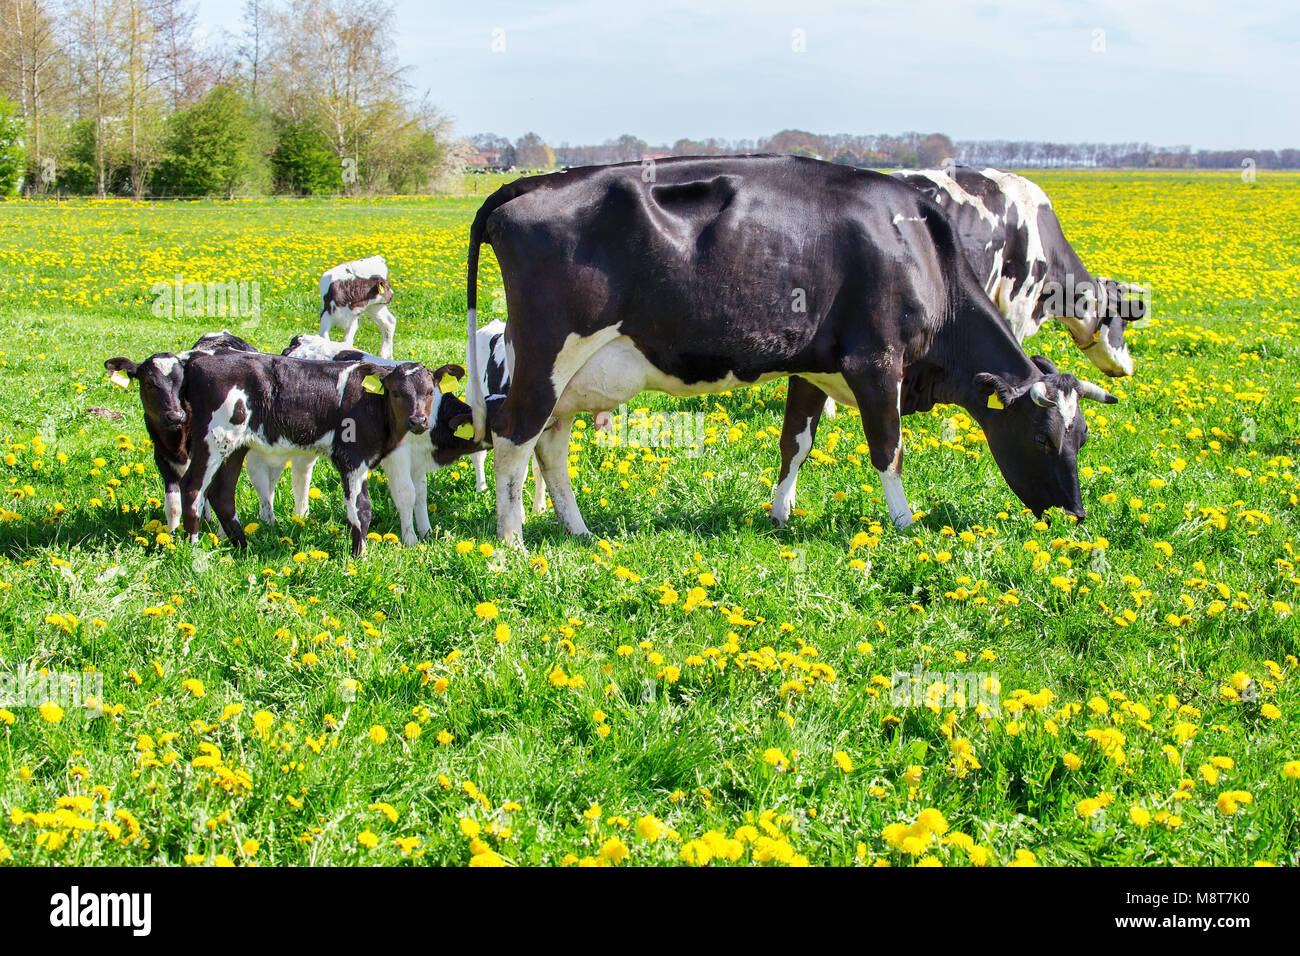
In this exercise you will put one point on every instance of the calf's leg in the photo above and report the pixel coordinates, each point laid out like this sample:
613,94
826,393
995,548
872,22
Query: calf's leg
356,500
539,485
479,458
221,493
302,468
397,468
263,474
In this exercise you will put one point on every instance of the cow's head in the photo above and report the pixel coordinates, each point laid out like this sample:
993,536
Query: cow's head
1035,429
410,390
161,377
1116,304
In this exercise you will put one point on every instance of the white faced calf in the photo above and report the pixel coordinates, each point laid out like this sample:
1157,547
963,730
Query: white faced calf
167,420
354,288
242,401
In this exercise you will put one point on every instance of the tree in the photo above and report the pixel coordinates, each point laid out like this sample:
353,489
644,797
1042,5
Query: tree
532,152
208,145
303,161
12,153
33,63
933,150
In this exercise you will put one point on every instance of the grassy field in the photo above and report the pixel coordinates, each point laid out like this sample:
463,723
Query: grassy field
696,686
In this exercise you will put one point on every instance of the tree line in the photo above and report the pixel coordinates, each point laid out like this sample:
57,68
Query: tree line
884,151
131,97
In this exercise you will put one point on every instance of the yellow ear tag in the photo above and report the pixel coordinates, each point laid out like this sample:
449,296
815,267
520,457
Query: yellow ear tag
465,431
120,379
371,383
448,384
995,402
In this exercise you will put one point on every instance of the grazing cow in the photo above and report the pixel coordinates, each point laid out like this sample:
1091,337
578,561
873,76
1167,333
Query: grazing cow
1010,235
713,273
348,290
167,420
408,466
289,406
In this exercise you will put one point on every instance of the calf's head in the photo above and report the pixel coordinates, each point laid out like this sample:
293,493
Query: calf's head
412,392
161,377
1035,429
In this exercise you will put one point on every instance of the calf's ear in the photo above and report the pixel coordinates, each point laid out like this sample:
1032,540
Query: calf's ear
372,376
447,377
121,371
462,426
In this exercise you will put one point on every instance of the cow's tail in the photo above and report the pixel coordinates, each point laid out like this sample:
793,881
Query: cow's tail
474,390
474,387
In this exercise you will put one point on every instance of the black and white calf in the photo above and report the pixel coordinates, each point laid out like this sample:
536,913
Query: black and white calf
726,271
353,288
1010,235
161,377
241,401
407,466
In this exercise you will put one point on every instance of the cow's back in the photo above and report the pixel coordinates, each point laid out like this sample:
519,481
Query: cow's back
734,264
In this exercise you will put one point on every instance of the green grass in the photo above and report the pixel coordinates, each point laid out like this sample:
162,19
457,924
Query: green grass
791,650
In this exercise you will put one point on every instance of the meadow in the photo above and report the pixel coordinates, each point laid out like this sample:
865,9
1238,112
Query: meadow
694,686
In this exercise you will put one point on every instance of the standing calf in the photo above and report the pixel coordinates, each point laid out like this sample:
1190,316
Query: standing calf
272,403
167,420
408,466
348,290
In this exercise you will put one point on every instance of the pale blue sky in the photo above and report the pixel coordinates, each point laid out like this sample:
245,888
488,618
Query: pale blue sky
1207,73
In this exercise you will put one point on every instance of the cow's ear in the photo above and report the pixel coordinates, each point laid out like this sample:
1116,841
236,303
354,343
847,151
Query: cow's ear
999,393
1047,366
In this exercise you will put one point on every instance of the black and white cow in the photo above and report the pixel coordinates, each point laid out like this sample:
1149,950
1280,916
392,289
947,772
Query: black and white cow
1013,241
496,361
240,401
407,466
353,288
706,274
161,377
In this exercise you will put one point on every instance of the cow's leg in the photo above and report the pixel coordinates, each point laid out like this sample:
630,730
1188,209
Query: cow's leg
553,454
397,467
263,473
879,394
479,458
301,474
356,500
510,464
326,323
539,485
221,492
536,385
387,323
804,404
